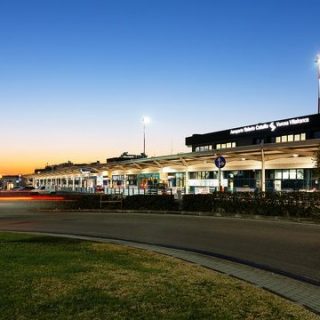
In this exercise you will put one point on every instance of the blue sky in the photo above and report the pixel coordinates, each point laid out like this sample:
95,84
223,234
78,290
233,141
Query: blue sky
76,77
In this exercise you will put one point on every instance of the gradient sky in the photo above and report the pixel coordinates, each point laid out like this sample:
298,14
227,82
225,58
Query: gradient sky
77,76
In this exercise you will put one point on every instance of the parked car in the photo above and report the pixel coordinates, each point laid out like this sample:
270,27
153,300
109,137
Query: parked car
99,189
41,190
19,189
28,188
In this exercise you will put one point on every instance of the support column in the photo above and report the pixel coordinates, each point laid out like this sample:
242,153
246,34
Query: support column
187,181
73,183
60,182
80,183
263,172
110,179
125,182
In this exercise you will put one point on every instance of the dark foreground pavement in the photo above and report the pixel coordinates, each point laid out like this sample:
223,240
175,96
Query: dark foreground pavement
283,247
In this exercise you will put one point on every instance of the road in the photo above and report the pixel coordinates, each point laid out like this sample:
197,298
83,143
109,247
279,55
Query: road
283,246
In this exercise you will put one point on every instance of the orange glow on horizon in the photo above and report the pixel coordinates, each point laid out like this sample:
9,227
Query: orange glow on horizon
25,158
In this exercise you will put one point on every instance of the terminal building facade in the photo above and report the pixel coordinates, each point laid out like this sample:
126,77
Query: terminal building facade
271,156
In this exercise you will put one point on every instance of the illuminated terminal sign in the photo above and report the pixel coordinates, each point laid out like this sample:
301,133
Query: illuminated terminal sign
270,125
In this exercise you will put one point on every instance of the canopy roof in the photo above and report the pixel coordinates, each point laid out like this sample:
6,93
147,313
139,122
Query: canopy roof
274,151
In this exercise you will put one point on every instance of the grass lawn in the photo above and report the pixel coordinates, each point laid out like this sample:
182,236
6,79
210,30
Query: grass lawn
54,278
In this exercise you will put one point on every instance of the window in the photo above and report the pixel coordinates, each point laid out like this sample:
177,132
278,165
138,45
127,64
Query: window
285,174
293,174
300,174
203,148
278,174
288,174
226,145
192,175
201,175
291,137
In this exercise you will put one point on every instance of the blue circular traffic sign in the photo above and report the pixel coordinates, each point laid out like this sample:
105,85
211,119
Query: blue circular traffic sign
220,162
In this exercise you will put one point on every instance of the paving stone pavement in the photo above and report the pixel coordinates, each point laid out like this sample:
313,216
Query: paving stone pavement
305,294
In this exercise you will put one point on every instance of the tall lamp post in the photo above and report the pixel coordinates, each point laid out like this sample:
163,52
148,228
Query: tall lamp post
318,71
145,121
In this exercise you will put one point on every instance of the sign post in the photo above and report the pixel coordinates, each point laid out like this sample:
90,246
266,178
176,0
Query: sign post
220,162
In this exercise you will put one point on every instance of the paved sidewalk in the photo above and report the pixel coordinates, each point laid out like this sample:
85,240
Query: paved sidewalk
302,293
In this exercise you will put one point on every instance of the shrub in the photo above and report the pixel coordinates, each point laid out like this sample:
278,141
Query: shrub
150,202
298,204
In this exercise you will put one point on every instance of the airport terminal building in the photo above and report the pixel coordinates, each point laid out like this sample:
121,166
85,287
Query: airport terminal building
271,156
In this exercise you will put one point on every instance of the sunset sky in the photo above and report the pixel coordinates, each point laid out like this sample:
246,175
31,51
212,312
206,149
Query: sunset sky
76,77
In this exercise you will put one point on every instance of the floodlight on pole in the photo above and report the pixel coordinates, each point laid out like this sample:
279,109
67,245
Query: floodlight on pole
318,71
145,121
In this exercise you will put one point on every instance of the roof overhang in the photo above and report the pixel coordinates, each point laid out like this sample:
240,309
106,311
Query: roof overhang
183,160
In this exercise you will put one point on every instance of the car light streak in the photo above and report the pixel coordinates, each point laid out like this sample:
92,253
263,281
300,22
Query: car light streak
33,198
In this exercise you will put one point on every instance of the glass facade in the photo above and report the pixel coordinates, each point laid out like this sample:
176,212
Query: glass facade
276,180
290,180
118,181
148,179
204,181
177,180
201,175
250,180
242,180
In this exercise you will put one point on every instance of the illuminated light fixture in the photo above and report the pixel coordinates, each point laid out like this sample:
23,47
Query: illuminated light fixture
295,155
243,159
146,120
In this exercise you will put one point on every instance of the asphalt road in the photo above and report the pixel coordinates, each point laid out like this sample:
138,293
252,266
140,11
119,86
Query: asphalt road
283,246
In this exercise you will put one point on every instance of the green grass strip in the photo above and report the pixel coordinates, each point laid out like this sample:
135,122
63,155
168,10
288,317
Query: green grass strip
54,278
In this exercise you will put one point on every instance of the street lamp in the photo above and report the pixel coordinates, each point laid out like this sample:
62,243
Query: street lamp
145,121
318,71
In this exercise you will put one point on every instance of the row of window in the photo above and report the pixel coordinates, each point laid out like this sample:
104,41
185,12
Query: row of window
282,174
291,138
200,175
279,139
292,174
203,148
226,145
218,146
